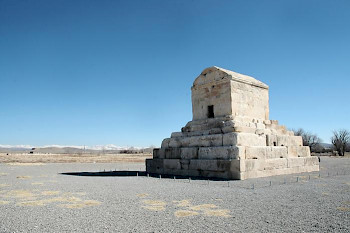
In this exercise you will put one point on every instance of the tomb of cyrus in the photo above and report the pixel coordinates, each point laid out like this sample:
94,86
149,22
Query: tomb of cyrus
231,135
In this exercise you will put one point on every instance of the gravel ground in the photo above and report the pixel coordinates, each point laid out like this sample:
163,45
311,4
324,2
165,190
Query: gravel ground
40,199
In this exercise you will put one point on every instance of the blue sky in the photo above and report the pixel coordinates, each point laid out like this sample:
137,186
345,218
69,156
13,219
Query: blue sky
119,72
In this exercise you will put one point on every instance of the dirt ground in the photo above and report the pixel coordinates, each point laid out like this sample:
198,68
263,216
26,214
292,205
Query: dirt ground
72,158
49,197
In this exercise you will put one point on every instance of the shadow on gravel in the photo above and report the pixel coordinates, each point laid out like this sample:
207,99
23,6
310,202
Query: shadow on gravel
136,173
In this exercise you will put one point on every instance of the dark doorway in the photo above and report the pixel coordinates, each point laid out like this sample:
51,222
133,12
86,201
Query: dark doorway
211,111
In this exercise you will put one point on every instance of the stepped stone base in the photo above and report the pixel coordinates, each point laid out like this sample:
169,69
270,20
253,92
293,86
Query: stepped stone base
232,151
231,136
232,169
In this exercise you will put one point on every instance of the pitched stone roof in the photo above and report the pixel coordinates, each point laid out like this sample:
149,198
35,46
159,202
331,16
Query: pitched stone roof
221,74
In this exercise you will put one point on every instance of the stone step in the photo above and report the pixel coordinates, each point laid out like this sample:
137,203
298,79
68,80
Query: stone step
272,164
227,139
232,169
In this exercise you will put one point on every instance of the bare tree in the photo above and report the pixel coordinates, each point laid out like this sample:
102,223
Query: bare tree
309,139
341,140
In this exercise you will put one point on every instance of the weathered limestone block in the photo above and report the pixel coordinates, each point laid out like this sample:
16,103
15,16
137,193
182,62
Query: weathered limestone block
242,129
286,140
228,129
267,122
215,131
271,140
273,152
156,153
255,152
173,153
311,161
180,172
210,165
189,153
296,162
274,172
292,151
154,165
175,142
185,164
196,141
260,132
177,134
267,164
303,151
159,153
259,125
299,151
279,163
243,139
206,140
225,152
172,164
253,165
165,143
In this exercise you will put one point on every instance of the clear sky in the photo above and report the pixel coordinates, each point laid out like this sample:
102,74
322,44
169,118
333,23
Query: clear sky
119,72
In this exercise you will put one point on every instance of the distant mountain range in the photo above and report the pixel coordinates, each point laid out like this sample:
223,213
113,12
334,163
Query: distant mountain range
57,149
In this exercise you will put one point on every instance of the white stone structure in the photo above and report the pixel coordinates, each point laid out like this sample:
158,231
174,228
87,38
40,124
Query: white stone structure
230,135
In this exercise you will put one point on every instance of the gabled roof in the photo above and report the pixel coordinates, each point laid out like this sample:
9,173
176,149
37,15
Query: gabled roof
221,74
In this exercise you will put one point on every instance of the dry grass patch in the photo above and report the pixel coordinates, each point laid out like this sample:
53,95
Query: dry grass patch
183,203
203,207
31,203
50,193
185,213
25,164
155,205
23,177
154,208
4,185
82,204
37,183
79,193
218,213
142,195
4,202
29,198
342,208
41,159
20,194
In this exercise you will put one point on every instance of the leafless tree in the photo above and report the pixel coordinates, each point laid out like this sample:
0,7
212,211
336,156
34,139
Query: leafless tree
309,139
341,140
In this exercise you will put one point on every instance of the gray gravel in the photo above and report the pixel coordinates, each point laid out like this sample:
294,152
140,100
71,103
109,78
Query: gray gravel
40,199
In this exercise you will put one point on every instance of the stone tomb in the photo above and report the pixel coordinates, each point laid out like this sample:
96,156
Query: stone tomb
230,135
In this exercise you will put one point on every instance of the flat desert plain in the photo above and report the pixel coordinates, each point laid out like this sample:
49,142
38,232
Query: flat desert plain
36,197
